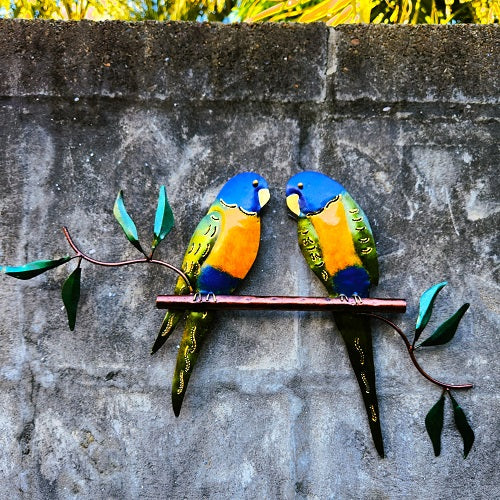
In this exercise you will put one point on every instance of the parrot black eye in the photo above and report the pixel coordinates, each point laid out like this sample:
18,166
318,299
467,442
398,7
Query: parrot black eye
300,185
255,183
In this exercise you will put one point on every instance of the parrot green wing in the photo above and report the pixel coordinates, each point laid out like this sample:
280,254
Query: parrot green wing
311,249
200,245
362,236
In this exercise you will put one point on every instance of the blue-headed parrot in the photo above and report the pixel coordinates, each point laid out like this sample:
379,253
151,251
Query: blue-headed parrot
337,242
220,254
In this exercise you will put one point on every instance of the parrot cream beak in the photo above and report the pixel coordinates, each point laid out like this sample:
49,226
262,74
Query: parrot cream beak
264,196
292,202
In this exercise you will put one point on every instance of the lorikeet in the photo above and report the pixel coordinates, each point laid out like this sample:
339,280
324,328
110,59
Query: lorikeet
337,242
220,254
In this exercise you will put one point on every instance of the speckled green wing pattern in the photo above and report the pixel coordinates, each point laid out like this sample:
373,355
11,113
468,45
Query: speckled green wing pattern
197,325
202,241
311,249
362,236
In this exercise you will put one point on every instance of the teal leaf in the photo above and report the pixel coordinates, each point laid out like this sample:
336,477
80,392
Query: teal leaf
425,310
71,295
445,332
164,218
463,426
126,222
434,424
33,269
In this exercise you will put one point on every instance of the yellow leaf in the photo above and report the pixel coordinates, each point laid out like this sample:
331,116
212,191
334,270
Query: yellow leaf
266,13
344,17
322,10
285,15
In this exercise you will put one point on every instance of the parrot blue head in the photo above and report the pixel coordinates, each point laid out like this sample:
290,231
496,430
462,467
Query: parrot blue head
247,190
309,192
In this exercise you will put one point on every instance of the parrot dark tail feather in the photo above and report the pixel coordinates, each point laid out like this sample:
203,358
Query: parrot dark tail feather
356,333
197,325
167,327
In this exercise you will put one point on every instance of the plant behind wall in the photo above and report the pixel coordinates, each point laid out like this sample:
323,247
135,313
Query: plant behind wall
332,12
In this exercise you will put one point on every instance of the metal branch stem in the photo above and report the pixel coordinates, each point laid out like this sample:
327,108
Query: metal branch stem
411,352
146,260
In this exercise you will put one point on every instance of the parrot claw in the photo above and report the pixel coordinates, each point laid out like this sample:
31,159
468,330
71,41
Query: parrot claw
343,298
357,298
198,297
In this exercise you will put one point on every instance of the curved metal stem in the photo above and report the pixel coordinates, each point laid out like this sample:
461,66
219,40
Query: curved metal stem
411,352
83,256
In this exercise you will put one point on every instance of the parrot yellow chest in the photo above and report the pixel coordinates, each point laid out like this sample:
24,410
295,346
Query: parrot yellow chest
335,236
237,245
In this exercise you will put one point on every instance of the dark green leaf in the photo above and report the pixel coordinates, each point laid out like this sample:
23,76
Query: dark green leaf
425,310
434,424
126,222
164,218
33,269
463,426
71,295
445,332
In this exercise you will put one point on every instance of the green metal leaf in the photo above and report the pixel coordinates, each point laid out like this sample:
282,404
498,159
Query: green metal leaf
33,269
425,310
445,332
164,218
126,222
463,426
434,424
71,295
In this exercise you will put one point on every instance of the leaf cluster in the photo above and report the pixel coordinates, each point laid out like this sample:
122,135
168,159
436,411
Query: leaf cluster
164,222
446,330
434,424
443,334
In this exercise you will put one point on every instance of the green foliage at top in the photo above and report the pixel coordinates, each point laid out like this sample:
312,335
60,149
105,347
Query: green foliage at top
332,12
335,12
126,10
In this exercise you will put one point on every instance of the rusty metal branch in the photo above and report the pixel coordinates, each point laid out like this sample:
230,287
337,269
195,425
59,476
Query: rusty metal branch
145,260
277,303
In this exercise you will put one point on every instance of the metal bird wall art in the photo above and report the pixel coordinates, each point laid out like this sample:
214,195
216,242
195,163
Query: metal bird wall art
337,242
220,254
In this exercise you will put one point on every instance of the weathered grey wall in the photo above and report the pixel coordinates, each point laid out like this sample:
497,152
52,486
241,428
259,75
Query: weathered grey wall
406,118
